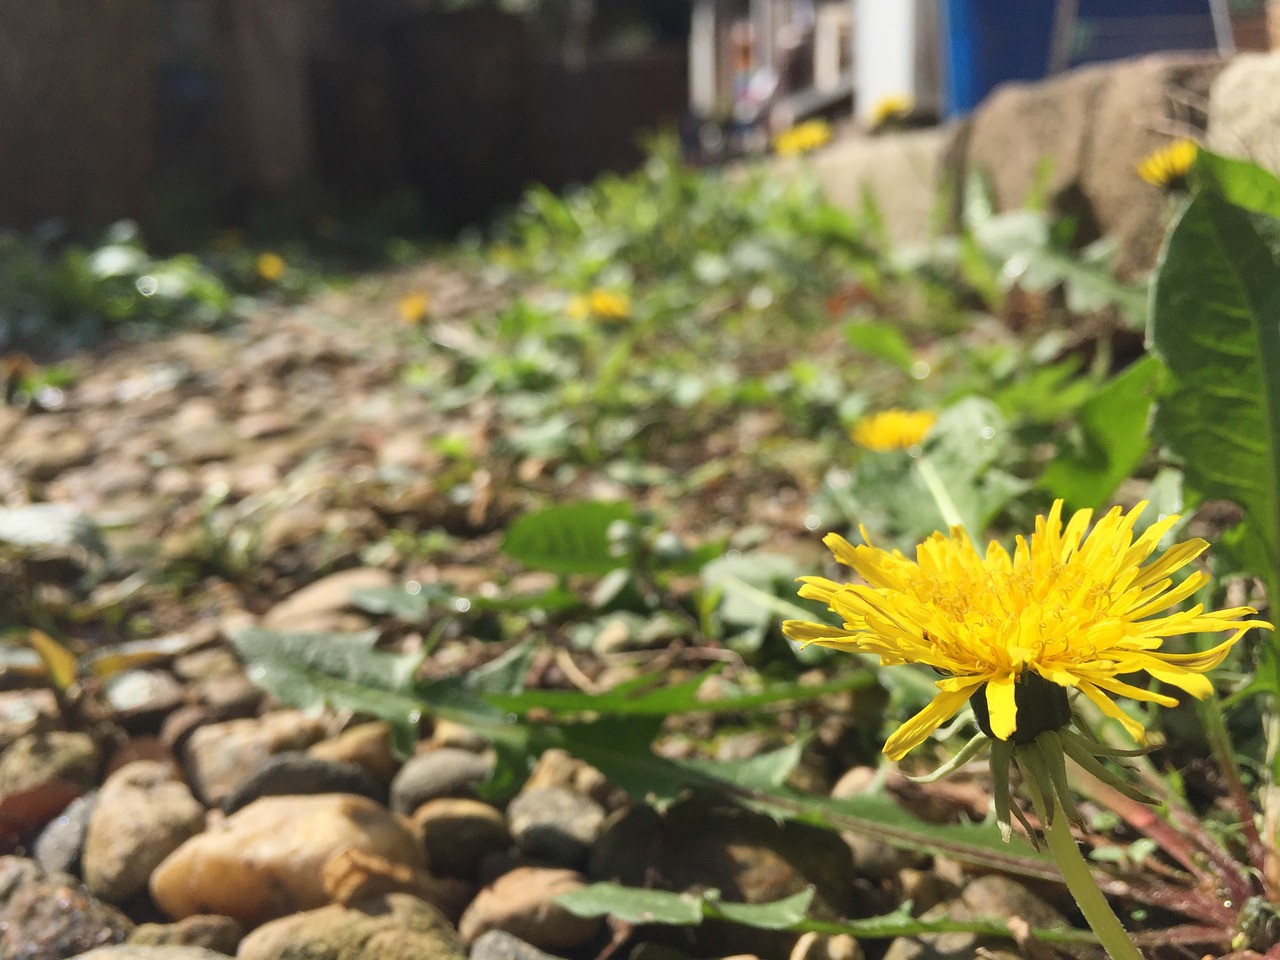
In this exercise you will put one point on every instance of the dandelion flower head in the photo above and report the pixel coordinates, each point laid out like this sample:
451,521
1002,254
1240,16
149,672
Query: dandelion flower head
894,429
890,108
1168,167
413,308
270,266
602,304
1069,610
802,138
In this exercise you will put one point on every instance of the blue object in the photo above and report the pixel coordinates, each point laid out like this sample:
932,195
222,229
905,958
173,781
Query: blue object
988,42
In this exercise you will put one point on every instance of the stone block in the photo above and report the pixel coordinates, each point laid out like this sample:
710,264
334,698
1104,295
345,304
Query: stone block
1244,110
910,176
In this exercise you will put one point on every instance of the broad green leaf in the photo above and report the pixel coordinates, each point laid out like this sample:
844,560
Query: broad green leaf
634,905
572,538
1109,440
1216,325
1241,182
882,341
763,572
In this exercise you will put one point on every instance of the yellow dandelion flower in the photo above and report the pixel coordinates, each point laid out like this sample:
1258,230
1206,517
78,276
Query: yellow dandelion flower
893,429
609,305
1168,167
890,109
1013,634
802,138
270,266
413,308
601,304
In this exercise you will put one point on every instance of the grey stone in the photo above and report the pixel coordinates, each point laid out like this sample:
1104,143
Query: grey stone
439,773
555,824
294,773
219,934
60,844
49,917
500,945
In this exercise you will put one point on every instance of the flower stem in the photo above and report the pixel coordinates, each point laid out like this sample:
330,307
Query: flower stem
938,490
1089,898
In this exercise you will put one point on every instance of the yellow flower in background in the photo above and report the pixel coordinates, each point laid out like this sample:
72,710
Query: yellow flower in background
602,304
893,429
413,308
890,109
1066,611
1168,167
270,266
802,138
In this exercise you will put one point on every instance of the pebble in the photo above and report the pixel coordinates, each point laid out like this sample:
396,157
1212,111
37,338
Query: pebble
555,825
394,927
817,946
219,934
39,758
49,917
500,945
60,844
325,596
133,951
221,756
24,712
367,745
267,860
558,768
438,773
295,773
142,815
142,698
522,903
458,833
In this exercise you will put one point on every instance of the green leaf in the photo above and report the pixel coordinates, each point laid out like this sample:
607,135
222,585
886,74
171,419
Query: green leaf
1241,182
645,696
633,905
571,538
1109,440
782,914
883,341
1216,325
408,602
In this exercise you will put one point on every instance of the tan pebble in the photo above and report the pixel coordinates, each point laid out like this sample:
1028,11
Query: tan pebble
368,746
267,860
522,903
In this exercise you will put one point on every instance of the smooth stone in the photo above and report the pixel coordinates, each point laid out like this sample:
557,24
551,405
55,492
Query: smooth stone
143,814
328,595
60,844
295,774
49,916
555,824
136,951
39,758
394,927
367,745
522,903
219,934
268,860
817,946
458,833
221,756
500,945
142,696
559,768
438,773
